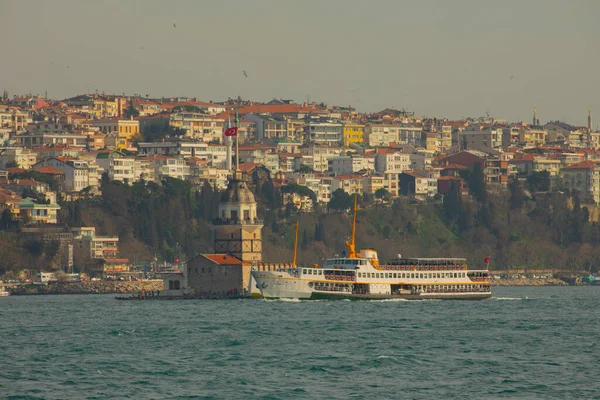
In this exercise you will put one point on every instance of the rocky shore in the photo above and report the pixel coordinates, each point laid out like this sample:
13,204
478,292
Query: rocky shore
528,282
91,287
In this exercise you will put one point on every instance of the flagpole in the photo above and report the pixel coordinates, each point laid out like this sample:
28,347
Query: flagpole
237,149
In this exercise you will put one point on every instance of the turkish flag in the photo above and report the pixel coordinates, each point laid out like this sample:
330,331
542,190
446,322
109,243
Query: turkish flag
487,260
231,131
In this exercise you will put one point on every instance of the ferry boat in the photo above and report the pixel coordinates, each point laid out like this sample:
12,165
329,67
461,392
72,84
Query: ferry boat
361,276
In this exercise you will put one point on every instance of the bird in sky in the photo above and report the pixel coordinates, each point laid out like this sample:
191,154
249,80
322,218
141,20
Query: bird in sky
245,74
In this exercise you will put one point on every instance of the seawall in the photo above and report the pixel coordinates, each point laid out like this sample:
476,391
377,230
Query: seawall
528,282
91,287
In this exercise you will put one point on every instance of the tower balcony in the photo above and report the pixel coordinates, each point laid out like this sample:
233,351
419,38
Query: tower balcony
229,221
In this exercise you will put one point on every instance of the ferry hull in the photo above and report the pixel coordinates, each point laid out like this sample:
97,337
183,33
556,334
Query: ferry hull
280,285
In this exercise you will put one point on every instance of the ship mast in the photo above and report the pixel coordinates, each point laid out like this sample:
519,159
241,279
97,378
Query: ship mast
351,243
295,244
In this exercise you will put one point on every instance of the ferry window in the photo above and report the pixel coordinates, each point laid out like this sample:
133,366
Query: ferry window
320,272
354,262
412,274
378,275
395,275
421,275
310,271
359,274
303,271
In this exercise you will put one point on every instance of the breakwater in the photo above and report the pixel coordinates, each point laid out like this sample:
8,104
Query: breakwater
528,282
91,287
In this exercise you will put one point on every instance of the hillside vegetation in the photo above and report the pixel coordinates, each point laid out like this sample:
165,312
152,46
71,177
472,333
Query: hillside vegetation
548,232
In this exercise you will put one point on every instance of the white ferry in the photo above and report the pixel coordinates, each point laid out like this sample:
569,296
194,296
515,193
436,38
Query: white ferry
361,276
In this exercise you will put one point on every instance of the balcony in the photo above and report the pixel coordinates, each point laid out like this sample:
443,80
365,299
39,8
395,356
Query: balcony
228,221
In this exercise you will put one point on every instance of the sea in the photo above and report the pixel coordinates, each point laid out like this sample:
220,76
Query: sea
524,343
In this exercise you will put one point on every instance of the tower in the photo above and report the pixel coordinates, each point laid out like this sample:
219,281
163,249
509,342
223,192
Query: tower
589,120
534,117
238,230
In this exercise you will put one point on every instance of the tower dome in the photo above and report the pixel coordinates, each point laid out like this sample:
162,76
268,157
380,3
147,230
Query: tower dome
238,192
238,204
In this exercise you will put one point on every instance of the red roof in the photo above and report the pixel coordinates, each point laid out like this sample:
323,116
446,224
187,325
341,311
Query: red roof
49,170
245,167
223,259
450,178
582,165
14,170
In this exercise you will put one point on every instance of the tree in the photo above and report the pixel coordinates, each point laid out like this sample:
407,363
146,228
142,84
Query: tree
539,181
452,205
383,195
305,169
516,195
11,164
131,111
477,183
340,201
6,219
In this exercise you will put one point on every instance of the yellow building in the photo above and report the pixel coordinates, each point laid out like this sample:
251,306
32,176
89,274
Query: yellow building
353,133
126,130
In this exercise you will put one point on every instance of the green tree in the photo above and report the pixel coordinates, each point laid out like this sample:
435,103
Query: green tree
452,205
516,195
539,181
383,195
6,220
477,183
340,201
11,164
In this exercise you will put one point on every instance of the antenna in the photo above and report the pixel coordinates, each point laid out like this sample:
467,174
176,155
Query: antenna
351,244
296,244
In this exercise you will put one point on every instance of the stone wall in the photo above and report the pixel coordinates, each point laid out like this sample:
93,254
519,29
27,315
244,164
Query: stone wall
91,287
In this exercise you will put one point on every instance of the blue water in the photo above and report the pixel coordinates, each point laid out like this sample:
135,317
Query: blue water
534,343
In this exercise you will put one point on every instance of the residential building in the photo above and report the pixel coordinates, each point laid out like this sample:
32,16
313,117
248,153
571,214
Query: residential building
480,139
126,130
389,160
171,167
320,156
51,139
38,213
419,184
582,179
23,158
270,126
351,184
175,147
76,173
118,166
324,132
445,183
199,126
88,246
353,132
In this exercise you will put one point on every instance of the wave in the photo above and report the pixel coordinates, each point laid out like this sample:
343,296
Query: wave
510,298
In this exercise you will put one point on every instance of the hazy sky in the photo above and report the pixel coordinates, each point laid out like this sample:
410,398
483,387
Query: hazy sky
438,58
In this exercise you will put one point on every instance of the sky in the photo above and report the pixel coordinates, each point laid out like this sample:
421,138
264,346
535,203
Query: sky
448,59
